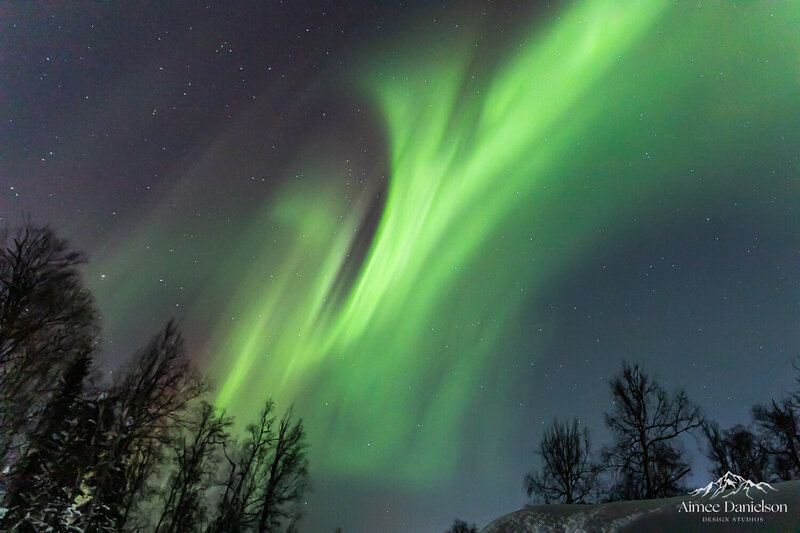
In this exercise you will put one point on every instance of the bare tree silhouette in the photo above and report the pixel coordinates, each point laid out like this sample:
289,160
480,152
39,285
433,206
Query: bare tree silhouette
568,474
647,423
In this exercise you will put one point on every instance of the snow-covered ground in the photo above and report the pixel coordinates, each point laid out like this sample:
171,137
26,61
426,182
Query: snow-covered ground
731,511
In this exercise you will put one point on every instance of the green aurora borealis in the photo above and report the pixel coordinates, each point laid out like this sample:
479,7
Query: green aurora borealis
534,161
395,359
506,166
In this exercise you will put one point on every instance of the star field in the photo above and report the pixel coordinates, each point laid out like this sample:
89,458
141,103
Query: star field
432,228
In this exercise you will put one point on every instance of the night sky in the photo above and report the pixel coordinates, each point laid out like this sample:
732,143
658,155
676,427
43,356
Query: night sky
435,227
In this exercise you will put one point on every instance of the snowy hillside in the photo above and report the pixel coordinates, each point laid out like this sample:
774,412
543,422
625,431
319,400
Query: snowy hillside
731,511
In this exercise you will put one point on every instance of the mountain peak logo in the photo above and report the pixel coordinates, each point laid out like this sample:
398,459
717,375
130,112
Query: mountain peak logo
733,483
